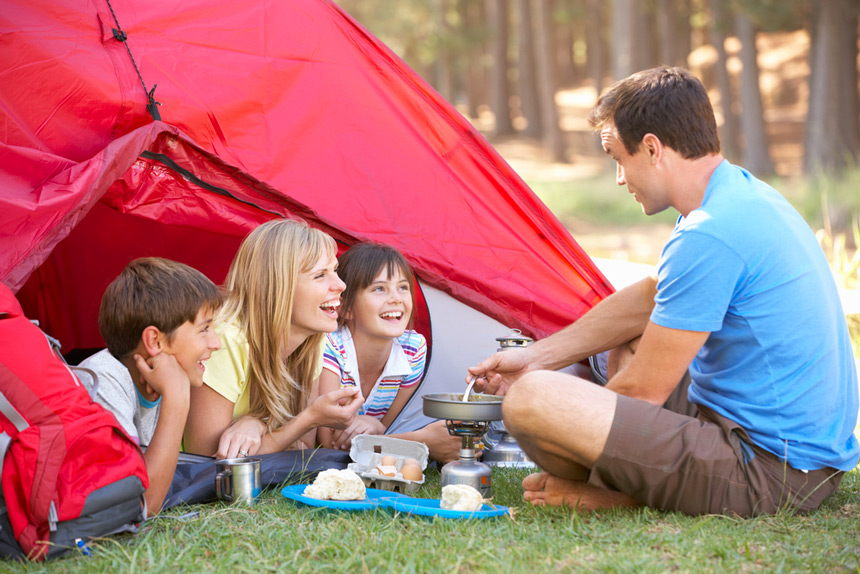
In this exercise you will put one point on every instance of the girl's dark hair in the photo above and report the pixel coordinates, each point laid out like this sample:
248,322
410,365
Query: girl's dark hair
668,102
359,266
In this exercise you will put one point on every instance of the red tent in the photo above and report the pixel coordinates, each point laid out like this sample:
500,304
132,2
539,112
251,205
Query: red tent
270,108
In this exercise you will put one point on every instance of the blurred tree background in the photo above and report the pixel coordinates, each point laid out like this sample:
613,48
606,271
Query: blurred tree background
506,64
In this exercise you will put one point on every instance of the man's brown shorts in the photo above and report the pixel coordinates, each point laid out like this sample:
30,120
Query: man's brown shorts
705,464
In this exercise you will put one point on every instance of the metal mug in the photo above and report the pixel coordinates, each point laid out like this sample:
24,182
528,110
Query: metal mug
238,479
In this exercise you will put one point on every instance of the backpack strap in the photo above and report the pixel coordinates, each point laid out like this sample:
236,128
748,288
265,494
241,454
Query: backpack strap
93,386
14,417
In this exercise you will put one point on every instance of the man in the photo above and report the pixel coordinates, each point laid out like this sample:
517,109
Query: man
156,320
743,299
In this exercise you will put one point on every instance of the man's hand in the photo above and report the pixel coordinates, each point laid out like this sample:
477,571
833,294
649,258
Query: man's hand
242,438
361,424
501,370
336,409
163,375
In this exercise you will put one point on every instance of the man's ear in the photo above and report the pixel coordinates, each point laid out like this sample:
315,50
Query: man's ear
654,147
152,340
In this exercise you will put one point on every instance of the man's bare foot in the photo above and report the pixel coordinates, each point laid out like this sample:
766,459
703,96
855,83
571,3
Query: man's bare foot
544,489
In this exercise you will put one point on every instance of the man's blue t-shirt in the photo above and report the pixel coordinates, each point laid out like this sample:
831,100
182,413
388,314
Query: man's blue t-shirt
747,268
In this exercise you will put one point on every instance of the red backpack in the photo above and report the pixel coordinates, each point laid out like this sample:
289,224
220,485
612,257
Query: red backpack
68,470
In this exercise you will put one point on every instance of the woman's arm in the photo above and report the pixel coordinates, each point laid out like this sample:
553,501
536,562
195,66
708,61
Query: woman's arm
328,381
335,409
208,416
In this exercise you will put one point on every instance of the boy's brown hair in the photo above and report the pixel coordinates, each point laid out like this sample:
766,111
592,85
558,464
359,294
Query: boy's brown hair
152,291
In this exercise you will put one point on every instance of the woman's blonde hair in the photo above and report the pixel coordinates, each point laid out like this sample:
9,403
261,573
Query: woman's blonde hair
260,287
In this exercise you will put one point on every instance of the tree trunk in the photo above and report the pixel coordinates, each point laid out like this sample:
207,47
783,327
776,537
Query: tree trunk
472,19
729,127
529,106
565,67
622,38
500,93
594,44
684,37
553,138
644,44
444,68
755,155
832,121
667,28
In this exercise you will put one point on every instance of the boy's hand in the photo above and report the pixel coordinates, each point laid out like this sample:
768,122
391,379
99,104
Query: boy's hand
163,375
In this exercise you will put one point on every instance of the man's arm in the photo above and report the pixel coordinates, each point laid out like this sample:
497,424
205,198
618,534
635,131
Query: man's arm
660,361
614,321
619,318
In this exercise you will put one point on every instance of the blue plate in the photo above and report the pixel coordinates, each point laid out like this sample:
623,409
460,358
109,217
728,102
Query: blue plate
430,507
373,498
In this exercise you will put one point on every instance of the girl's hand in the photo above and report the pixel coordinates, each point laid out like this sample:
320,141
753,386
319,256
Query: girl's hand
242,438
336,409
443,446
362,424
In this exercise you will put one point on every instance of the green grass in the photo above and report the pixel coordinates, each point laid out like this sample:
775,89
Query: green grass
598,200
278,536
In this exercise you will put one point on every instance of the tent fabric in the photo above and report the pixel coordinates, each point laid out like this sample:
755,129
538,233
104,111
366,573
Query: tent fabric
291,108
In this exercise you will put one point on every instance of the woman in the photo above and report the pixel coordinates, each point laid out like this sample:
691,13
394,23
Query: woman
259,391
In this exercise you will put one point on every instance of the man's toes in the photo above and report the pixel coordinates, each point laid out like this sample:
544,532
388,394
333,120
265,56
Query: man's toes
536,481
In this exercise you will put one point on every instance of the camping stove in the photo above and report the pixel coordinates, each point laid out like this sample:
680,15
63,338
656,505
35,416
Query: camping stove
501,449
469,421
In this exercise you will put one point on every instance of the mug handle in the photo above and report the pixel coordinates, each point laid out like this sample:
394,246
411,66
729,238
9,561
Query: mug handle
220,479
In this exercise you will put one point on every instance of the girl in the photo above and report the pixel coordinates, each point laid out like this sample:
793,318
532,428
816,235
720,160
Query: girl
374,351
258,394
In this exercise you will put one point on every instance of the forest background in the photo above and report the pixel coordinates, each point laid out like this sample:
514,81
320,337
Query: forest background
782,76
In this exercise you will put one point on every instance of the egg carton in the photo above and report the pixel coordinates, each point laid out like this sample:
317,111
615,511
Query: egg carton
367,452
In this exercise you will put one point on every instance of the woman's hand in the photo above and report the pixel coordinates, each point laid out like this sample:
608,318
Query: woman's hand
362,424
242,438
336,409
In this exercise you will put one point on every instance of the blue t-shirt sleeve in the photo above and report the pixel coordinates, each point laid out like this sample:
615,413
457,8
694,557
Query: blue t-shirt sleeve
696,278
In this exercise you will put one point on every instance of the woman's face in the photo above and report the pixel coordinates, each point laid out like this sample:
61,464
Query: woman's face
315,302
383,308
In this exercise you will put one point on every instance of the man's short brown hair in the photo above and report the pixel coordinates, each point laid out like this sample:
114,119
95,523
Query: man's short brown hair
668,102
152,291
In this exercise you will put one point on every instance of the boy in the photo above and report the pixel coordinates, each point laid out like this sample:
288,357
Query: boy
156,320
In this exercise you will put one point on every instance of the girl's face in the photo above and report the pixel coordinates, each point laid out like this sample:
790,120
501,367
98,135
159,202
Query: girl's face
383,308
315,301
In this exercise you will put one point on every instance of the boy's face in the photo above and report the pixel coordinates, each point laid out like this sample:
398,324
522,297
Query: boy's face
192,344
